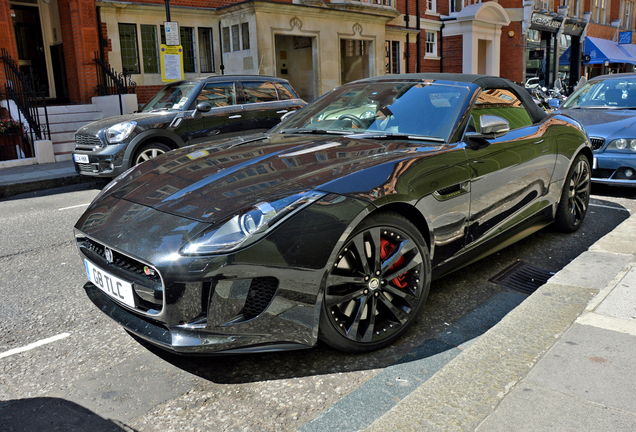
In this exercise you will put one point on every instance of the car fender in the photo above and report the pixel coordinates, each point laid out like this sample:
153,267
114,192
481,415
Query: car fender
167,137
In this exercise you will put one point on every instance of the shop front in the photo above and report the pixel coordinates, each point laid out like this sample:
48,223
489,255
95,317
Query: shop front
542,42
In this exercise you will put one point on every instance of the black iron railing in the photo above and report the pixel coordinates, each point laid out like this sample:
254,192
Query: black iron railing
26,103
111,82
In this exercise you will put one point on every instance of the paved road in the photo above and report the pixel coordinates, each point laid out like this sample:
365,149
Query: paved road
94,376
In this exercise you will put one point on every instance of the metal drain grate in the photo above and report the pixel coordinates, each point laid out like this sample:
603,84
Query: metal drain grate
522,277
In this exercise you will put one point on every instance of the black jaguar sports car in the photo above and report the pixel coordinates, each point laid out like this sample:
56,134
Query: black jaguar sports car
332,225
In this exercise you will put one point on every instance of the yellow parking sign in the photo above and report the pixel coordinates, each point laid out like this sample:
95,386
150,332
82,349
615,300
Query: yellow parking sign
171,62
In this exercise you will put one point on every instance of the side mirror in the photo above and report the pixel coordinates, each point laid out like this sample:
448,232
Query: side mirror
490,127
554,103
204,107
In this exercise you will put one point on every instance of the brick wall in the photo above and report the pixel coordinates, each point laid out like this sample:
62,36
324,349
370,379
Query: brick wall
452,54
512,53
7,39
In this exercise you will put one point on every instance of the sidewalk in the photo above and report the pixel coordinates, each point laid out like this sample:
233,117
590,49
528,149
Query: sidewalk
29,178
563,360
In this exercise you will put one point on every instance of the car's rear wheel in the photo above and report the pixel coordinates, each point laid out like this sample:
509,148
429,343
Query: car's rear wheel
377,285
150,151
575,196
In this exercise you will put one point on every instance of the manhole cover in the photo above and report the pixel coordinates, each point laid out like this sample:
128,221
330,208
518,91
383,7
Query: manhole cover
522,277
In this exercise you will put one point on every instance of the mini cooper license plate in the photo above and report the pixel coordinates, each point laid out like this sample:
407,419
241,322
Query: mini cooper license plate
116,288
81,158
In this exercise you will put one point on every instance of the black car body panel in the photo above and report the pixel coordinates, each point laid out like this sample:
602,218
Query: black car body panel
468,198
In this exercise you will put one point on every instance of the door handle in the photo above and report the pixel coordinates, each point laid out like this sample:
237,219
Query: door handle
235,116
281,111
538,142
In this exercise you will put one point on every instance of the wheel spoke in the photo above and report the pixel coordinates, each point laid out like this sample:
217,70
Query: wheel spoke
358,243
371,309
376,244
400,315
352,331
414,262
406,296
402,248
334,300
335,279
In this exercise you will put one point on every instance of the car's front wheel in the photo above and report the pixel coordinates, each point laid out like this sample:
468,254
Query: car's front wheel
377,285
149,151
575,196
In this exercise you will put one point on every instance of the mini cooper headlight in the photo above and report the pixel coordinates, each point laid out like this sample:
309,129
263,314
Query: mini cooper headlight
626,145
248,226
119,132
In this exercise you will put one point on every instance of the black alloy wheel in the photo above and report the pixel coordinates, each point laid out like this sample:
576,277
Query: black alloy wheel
377,285
575,196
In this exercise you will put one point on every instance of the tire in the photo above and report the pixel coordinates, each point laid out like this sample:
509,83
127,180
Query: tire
377,285
575,196
150,151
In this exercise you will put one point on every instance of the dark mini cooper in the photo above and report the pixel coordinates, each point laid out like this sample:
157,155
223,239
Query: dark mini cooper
606,106
333,224
183,113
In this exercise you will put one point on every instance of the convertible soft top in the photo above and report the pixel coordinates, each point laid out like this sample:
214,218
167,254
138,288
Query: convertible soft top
486,82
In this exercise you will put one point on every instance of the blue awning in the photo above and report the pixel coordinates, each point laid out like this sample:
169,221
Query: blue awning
601,50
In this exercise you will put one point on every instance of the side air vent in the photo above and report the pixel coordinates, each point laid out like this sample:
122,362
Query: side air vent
260,295
450,192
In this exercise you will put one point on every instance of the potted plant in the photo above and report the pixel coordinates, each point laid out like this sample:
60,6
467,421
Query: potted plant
11,139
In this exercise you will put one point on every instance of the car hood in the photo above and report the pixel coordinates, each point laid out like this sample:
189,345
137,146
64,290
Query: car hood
604,123
141,119
209,183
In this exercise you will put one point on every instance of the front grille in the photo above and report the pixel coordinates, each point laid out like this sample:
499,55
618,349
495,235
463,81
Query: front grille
260,295
85,167
87,142
148,287
602,173
597,143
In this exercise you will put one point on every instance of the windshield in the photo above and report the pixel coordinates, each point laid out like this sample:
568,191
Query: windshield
174,96
608,93
385,108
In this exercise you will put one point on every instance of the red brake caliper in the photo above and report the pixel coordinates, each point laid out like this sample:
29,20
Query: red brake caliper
386,248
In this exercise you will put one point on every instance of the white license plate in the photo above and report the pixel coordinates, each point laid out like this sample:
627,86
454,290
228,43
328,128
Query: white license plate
111,285
594,163
81,158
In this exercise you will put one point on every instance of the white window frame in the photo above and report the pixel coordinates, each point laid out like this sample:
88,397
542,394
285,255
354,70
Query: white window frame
599,8
627,17
431,6
432,34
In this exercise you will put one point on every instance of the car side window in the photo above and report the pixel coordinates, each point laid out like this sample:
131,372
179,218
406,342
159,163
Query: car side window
259,91
284,91
503,103
218,94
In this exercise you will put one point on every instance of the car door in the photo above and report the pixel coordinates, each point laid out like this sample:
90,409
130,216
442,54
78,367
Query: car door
510,174
264,103
224,120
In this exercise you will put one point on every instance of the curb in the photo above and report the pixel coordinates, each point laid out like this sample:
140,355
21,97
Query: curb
10,190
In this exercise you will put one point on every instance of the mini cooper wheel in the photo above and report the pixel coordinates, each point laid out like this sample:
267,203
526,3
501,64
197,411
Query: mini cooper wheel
377,285
575,196
150,151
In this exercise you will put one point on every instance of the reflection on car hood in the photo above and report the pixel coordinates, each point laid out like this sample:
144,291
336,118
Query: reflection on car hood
603,123
208,183
141,119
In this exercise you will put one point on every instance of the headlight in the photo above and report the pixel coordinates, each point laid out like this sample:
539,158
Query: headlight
249,226
624,145
120,131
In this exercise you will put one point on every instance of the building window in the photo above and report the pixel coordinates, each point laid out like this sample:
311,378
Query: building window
575,8
628,15
458,5
236,45
189,53
378,2
392,58
129,49
598,11
245,34
430,5
431,43
206,50
226,40
149,48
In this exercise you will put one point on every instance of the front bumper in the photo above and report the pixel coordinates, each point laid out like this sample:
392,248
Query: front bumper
616,169
105,161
